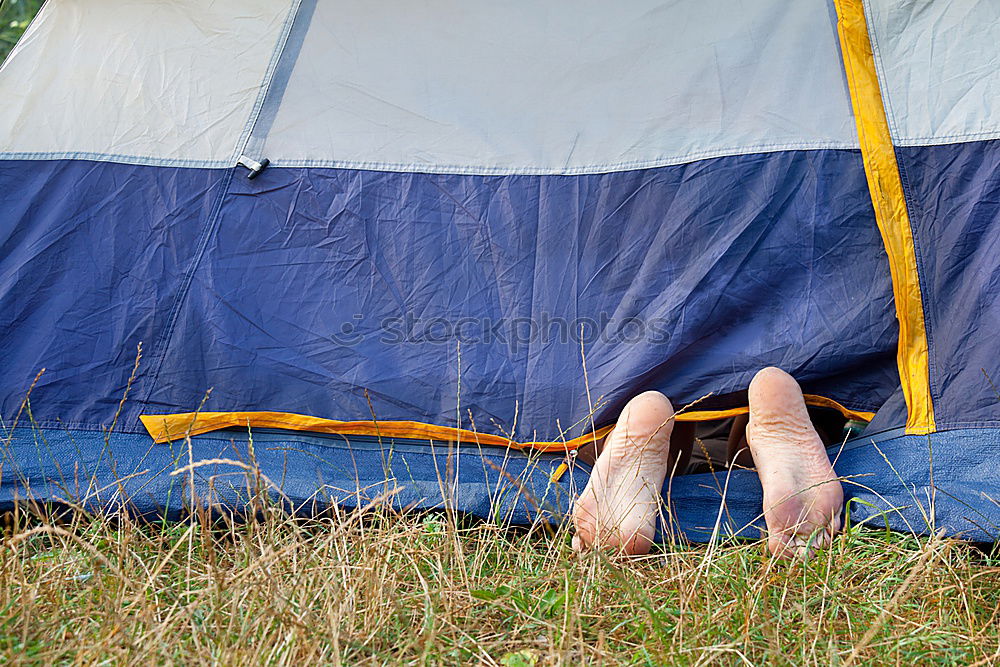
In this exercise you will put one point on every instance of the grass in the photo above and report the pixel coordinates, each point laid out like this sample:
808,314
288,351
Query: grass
15,15
430,589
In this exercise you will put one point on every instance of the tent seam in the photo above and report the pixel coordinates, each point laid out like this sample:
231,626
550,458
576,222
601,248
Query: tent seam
667,161
279,47
160,349
909,202
888,199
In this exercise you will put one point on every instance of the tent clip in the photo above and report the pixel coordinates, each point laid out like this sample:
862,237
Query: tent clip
254,166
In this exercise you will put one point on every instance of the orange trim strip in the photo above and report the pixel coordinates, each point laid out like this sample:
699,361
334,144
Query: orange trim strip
167,428
811,399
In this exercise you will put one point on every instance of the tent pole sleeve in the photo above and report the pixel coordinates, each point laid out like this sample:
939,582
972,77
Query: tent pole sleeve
886,188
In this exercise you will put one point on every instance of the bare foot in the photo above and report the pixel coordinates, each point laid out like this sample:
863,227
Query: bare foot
802,495
619,506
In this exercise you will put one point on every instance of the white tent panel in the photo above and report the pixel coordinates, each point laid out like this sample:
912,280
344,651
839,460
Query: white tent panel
144,81
940,68
560,87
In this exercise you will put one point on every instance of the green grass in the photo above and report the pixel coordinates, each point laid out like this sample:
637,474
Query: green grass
14,18
388,589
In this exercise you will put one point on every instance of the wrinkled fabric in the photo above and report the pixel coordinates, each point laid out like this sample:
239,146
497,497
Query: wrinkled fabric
139,82
93,257
939,68
953,194
452,300
568,87
458,300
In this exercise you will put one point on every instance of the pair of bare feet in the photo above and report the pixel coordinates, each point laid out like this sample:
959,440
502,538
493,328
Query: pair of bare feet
803,498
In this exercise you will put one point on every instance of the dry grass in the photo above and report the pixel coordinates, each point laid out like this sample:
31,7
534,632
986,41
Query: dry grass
381,588
429,589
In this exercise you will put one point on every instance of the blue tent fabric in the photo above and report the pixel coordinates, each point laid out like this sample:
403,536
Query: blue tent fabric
354,275
93,255
491,220
349,265
953,195
914,484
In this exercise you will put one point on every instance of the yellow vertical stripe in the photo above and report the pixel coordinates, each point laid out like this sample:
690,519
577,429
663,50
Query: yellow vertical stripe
890,212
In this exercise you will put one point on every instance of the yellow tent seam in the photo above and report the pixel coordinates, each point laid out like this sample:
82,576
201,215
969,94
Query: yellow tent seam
886,189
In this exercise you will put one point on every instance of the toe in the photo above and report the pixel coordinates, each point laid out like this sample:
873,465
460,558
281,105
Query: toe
790,547
648,415
822,539
776,404
770,379
801,546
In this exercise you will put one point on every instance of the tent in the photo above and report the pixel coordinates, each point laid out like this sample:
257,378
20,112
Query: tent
418,253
